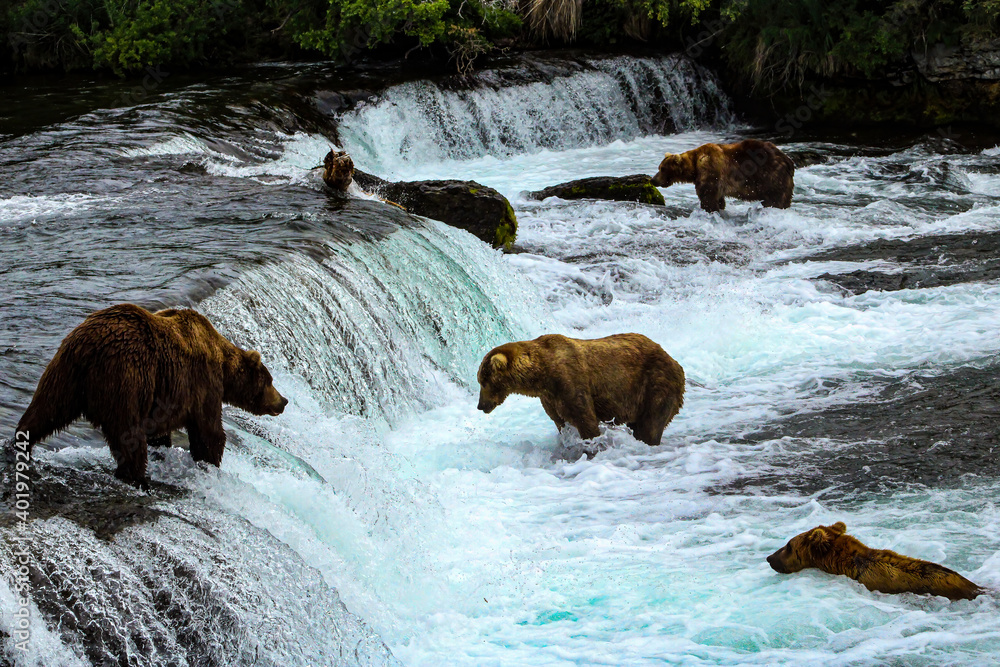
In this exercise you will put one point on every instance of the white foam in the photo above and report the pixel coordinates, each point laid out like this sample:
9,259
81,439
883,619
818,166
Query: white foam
180,145
467,539
30,207
419,123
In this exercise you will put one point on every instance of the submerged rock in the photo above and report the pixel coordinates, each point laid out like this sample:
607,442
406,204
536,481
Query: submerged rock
931,429
637,188
929,261
468,205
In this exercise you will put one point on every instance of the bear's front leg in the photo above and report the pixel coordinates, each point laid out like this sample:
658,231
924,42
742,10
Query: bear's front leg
206,435
579,411
710,196
550,409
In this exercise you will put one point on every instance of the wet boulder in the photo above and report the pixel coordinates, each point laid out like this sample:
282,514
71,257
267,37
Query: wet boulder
468,205
637,188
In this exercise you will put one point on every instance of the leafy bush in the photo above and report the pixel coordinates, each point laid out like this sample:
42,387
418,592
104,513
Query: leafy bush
776,42
142,34
782,43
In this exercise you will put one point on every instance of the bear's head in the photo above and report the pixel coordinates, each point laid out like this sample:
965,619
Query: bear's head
674,169
247,385
338,170
806,550
502,372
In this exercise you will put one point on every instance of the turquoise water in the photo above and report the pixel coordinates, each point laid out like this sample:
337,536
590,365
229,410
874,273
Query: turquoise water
466,539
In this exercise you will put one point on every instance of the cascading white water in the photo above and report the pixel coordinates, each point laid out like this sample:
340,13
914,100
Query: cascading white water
374,327
611,99
469,539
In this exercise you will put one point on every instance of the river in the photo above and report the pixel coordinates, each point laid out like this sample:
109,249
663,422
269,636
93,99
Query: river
382,519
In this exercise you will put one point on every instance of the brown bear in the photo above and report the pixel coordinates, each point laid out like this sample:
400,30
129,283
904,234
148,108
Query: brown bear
338,170
831,550
138,376
625,378
750,170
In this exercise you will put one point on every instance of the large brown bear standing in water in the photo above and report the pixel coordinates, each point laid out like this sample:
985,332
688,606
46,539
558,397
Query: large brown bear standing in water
831,550
751,170
625,378
138,376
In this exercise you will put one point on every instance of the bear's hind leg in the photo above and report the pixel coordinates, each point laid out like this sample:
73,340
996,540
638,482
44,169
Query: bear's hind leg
129,450
784,200
159,440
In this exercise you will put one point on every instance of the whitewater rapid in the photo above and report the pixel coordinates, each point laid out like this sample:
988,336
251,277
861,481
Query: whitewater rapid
464,539
488,540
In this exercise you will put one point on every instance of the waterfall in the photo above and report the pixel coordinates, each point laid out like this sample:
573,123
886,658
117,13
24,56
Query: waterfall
604,100
374,328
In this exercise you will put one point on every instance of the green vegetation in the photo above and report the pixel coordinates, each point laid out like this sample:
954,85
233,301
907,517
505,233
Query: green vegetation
781,44
506,231
772,44
130,35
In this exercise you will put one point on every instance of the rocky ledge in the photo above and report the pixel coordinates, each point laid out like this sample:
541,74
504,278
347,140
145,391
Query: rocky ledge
929,261
637,188
468,205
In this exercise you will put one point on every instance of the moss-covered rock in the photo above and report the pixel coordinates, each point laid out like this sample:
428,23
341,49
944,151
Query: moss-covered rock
637,188
481,211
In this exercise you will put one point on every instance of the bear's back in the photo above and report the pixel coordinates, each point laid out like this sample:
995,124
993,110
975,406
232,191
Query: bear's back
192,333
890,572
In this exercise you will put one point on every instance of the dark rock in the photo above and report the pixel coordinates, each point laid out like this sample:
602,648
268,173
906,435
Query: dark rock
942,62
929,261
806,158
468,205
638,188
921,430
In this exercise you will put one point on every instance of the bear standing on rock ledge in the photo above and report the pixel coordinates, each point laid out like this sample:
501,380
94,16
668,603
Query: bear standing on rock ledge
138,376
625,378
750,170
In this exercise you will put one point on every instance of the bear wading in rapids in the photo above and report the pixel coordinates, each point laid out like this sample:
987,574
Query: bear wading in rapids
750,170
625,378
138,376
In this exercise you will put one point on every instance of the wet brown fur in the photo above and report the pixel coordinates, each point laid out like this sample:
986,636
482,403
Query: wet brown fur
625,378
750,170
831,550
338,170
138,376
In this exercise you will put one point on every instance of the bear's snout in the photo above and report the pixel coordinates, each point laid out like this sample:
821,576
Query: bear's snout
486,406
275,402
657,180
774,560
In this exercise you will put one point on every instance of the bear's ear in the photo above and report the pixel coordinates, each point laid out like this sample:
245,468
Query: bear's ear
840,528
819,541
498,361
253,356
